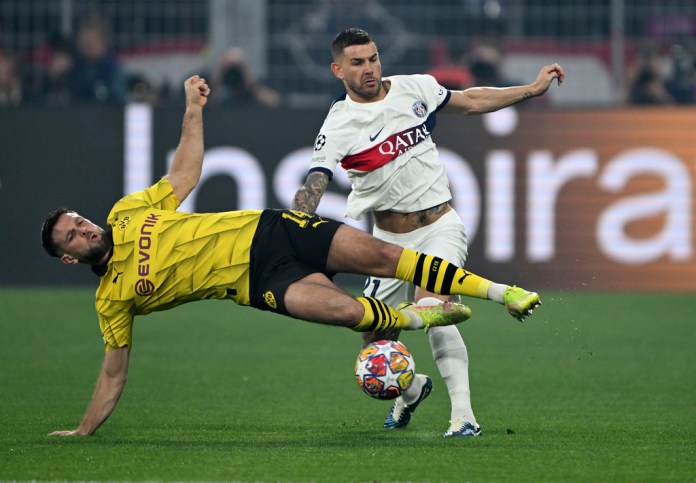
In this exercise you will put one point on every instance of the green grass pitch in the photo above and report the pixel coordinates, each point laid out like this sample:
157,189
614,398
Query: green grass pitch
593,387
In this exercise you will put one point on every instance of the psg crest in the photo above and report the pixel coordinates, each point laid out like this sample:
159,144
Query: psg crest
420,108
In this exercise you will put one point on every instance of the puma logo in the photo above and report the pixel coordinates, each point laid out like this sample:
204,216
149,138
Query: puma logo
466,274
118,274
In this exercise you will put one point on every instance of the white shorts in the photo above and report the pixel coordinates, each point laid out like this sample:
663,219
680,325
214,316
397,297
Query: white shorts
446,238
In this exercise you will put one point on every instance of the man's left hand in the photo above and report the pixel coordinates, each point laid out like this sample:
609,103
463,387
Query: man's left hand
197,91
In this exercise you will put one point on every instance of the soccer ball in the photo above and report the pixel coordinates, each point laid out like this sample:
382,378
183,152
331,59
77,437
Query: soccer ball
385,369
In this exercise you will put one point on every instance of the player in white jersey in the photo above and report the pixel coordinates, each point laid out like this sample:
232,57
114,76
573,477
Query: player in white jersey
386,148
381,133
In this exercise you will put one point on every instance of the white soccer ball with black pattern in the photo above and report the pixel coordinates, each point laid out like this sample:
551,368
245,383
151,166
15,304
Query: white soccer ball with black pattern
385,369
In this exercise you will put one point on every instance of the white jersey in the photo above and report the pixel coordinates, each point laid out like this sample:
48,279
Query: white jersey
386,148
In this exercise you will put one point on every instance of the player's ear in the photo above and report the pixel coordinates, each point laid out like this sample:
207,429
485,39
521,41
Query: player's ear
68,260
337,71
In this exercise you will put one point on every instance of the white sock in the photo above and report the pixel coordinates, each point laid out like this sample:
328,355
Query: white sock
415,321
411,394
452,360
496,292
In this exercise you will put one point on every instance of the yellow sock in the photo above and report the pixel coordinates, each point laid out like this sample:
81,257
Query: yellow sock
439,276
379,316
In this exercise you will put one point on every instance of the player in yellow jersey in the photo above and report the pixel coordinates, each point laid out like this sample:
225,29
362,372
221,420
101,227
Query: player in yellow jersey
153,258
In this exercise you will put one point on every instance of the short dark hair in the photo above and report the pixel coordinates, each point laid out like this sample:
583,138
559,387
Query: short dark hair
49,223
348,37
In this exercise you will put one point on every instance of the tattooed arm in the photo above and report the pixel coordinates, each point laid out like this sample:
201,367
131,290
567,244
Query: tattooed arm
309,195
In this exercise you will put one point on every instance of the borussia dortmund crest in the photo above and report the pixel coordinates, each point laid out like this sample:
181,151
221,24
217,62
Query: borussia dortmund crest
123,222
270,300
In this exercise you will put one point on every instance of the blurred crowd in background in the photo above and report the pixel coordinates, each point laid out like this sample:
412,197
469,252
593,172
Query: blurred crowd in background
98,57
86,69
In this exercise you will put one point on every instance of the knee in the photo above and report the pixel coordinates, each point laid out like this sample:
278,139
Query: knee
445,341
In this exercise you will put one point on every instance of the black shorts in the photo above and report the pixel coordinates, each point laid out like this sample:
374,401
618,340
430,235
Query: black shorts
287,246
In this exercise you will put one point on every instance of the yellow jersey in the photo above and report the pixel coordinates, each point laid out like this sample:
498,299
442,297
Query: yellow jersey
163,258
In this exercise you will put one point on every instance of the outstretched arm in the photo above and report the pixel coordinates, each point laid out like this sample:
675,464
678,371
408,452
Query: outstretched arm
110,384
479,100
309,195
185,171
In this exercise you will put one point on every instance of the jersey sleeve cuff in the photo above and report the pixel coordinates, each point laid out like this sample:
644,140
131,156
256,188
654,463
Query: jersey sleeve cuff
326,171
445,101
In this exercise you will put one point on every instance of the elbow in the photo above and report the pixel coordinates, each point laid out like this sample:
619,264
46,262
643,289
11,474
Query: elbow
116,381
120,380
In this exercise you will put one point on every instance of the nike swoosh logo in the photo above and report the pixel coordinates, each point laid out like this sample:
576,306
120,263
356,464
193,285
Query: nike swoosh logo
372,138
